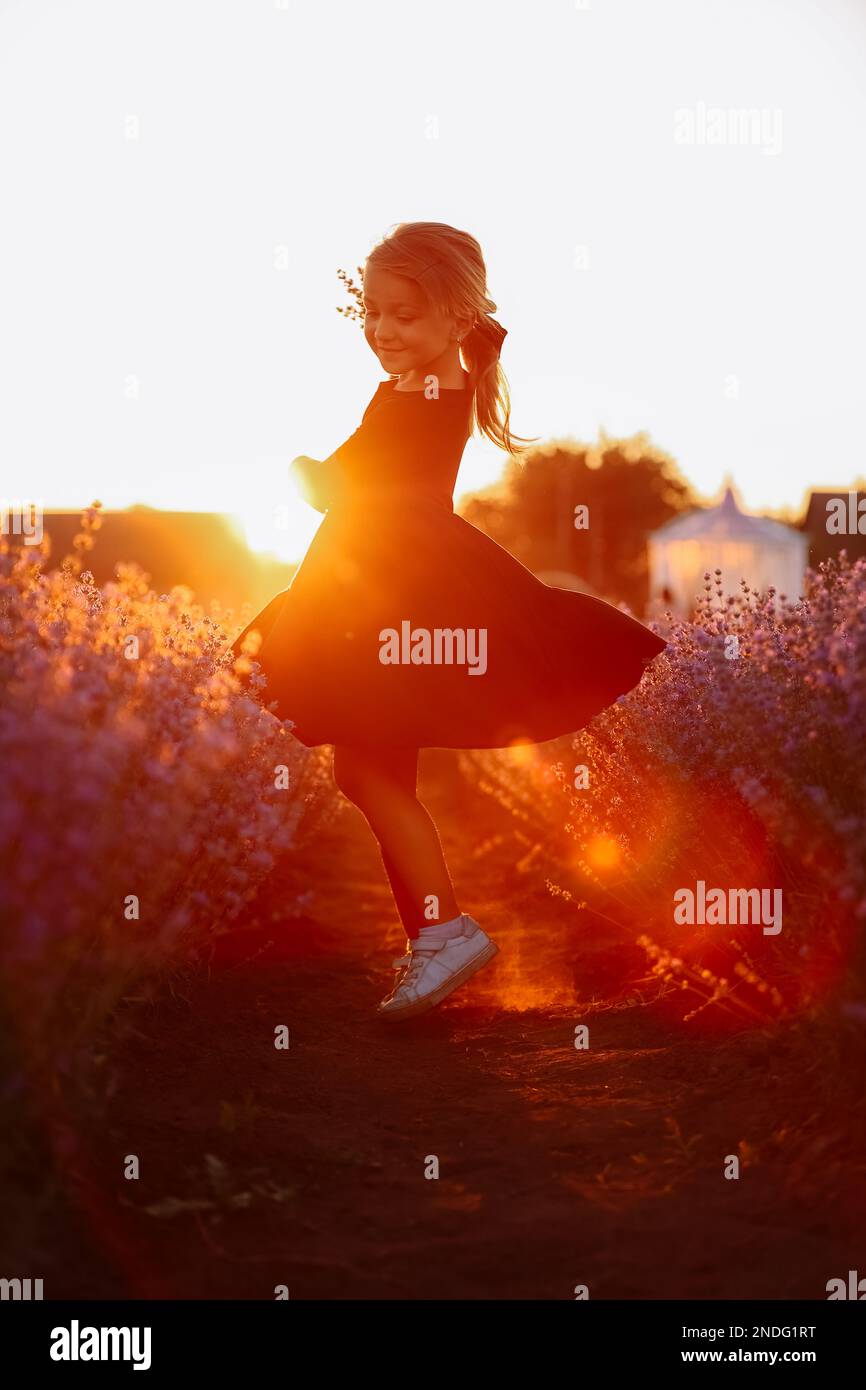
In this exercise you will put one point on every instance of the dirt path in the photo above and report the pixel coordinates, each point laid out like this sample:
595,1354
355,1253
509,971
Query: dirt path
557,1167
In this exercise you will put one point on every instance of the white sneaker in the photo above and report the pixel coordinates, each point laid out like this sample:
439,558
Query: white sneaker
426,974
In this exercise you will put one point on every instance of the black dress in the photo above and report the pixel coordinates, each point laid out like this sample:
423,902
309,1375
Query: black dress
406,625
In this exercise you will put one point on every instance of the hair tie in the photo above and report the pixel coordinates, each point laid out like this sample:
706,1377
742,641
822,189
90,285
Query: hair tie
495,332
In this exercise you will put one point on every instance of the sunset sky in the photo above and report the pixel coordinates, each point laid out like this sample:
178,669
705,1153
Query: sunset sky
182,181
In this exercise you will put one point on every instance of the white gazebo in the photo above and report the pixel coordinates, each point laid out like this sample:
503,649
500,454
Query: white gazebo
754,548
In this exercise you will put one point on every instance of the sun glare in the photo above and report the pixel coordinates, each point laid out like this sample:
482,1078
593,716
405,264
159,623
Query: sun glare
284,529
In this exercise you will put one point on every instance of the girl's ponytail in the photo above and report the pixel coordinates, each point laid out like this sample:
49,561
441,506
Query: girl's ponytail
492,401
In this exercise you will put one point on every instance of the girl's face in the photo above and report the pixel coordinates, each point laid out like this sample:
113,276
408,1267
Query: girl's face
400,326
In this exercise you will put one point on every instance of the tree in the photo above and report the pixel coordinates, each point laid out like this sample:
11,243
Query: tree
586,509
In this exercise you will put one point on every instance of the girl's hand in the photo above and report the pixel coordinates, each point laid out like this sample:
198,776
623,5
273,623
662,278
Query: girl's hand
304,469
312,476
302,465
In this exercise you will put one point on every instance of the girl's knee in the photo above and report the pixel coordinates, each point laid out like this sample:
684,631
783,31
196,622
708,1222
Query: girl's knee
365,776
353,776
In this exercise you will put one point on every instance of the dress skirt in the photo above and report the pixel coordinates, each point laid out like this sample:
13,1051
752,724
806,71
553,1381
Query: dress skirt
407,626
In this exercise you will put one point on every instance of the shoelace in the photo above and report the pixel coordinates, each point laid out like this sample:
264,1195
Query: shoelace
407,966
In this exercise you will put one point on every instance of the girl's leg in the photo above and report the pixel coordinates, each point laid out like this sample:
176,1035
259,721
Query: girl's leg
403,898
382,783
405,768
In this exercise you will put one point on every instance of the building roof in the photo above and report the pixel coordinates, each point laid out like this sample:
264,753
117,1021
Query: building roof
725,522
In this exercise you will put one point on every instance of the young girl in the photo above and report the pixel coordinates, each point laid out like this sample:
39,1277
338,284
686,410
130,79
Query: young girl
405,627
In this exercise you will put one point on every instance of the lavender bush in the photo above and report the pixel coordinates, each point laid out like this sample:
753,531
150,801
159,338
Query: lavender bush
738,761
127,774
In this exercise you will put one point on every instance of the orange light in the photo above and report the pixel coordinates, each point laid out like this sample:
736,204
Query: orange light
522,752
603,852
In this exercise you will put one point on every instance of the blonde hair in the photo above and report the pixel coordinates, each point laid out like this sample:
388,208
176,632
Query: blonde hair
448,266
